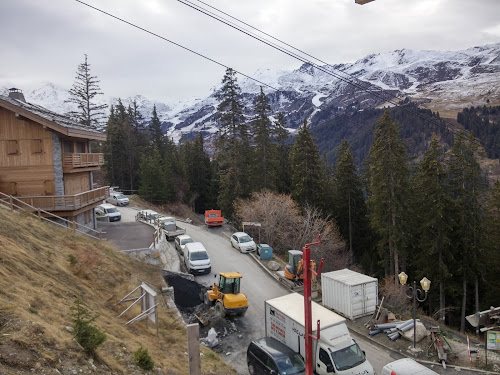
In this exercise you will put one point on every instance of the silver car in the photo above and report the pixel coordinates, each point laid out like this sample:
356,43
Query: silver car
243,242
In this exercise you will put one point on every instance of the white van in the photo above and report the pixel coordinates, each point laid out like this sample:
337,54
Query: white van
406,366
109,211
196,258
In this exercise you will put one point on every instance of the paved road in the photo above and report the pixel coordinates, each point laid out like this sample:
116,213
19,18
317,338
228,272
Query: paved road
256,284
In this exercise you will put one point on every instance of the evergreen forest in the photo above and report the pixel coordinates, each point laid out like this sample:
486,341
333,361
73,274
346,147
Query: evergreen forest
404,192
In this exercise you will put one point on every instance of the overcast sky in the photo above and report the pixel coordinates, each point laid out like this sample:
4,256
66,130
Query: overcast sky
44,41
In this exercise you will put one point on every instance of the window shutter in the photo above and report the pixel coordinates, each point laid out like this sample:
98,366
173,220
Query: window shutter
12,147
36,146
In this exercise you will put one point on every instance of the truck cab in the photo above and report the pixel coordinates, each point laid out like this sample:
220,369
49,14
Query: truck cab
213,218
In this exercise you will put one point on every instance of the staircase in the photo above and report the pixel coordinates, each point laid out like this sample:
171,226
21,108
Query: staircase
14,204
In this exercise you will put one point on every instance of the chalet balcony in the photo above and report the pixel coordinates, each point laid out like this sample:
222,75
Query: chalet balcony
74,162
67,202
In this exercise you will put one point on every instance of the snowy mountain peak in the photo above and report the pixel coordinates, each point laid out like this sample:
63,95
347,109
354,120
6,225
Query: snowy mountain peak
446,80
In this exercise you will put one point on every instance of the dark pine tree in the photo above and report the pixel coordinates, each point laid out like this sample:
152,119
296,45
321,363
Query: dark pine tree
308,177
282,173
234,152
264,148
348,206
432,224
388,172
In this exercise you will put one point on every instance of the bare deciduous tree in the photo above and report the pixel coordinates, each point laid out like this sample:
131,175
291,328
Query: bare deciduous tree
284,227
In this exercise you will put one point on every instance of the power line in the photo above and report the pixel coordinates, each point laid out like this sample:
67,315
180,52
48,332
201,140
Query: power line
174,43
378,94
362,86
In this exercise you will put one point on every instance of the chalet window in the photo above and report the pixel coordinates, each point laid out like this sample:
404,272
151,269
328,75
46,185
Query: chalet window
12,147
68,147
36,146
80,148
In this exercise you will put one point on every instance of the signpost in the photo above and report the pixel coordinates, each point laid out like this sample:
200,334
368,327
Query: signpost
251,224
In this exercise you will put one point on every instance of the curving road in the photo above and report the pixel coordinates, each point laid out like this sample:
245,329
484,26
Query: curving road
257,285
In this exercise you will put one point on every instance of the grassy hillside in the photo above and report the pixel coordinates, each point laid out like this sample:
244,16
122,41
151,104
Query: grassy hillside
43,270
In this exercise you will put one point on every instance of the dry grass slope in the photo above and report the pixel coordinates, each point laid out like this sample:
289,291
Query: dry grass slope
38,285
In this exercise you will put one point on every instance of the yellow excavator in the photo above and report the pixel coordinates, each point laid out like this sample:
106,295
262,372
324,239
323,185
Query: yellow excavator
226,295
293,270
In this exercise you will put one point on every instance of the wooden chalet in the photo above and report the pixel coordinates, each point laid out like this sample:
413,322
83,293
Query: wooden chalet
46,160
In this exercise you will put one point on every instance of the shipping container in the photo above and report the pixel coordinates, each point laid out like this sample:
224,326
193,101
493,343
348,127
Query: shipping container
349,293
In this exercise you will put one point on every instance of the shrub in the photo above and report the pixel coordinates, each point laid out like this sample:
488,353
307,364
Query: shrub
72,260
87,335
143,359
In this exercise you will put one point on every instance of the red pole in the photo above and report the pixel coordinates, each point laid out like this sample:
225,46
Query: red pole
306,259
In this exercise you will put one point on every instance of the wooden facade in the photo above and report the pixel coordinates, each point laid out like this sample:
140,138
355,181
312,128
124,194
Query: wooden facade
46,161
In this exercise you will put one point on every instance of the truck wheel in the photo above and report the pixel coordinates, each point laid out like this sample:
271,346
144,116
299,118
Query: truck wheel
219,310
251,369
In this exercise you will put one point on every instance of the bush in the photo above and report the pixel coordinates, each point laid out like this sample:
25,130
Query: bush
87,335
143,359
72,260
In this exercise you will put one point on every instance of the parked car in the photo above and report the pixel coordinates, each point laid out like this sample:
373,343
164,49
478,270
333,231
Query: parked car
181,241
109,211
196,258
406,366
269,356
118,199
243,242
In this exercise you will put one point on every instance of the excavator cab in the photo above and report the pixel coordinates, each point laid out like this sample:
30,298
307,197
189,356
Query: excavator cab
293,270
226,295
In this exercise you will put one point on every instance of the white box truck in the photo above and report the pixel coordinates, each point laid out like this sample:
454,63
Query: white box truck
351,294
335,351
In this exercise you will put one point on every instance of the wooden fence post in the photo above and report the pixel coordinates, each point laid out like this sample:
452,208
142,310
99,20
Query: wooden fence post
193,335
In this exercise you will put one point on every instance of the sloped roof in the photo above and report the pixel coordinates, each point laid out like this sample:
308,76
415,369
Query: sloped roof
52,120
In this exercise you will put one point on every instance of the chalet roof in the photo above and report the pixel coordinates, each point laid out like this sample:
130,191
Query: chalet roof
52,120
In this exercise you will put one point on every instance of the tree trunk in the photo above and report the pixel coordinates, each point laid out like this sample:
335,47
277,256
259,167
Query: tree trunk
476,282
350,225
442,305
464,304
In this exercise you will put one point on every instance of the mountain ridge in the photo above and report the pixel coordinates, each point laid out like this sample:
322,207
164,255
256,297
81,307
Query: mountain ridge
444,81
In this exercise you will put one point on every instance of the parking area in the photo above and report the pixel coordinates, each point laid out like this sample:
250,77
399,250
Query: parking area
127,234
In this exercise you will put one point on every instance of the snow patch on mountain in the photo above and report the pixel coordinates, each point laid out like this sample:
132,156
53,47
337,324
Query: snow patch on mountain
455,79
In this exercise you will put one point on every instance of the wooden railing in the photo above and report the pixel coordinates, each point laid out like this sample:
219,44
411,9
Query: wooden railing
16,204
67,202
71,161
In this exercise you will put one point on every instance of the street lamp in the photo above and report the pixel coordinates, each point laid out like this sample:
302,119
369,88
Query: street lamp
425,283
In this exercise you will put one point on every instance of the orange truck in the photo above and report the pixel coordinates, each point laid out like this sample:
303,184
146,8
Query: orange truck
213,218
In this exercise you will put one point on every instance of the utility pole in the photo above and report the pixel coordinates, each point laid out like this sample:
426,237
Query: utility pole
306,259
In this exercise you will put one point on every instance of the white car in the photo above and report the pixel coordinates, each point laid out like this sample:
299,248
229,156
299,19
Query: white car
118,199
243,242
109,211
181,241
